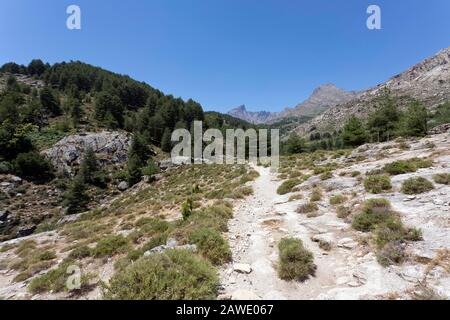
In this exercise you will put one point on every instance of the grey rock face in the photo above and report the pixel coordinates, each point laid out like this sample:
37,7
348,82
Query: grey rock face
110,147
252,117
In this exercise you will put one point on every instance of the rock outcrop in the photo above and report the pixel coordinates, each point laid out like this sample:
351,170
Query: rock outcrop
110,147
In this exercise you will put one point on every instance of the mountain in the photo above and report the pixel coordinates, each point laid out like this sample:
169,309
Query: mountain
322,98
427,81
252,117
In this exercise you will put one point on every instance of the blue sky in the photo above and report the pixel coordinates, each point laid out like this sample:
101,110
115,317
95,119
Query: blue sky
267,54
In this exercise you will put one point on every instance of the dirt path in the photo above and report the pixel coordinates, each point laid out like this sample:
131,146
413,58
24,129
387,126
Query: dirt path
263,219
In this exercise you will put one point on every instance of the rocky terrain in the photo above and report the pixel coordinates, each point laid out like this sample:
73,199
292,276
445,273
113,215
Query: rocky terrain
251,117
347,266
427,81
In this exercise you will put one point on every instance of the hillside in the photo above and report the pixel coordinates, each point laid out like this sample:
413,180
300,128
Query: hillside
427,81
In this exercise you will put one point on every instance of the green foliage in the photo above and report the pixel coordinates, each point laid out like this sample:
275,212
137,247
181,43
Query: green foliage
337,199
172,275
406,166
441,115
110,246
166,142
151,168
186,208
316,195
33,166
50,102
354,133
288,185
415,122
373,213
416,185
296,263
384,122
90,171
442,178
14,140
377,184
109,110
343,212
76,198
308,208
295,144
211,245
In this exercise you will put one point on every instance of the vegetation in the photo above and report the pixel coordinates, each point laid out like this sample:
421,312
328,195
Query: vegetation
377,183
307,208
337,199
211,245
288,186
442,178
295,262
172,275
416,185
406,166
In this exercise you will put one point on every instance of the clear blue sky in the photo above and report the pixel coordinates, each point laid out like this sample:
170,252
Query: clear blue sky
267,54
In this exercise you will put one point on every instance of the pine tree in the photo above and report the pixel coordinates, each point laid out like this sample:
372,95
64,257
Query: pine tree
50,102
89,166
354,133
416,120
134,169
76,198
166,142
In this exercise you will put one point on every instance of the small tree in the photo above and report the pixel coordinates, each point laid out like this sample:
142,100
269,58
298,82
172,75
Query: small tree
90,171
186,208
416,120
166,142
354,133
50,102
295,144
134,169
76,198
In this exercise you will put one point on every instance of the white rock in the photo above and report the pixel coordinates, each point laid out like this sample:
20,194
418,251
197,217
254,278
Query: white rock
244,295
242,268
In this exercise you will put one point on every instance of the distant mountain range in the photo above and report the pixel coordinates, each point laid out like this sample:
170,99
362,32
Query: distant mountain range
322,98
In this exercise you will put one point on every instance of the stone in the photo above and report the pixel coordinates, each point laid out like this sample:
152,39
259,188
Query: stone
123,186
347,243
224,297
327,238
110,148
242,268
438,202
244,295
69,218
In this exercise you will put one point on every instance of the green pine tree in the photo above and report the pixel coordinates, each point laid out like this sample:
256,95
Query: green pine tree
76,198
354,132
166,142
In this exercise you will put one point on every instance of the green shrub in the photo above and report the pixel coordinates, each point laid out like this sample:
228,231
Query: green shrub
377,184
211,245
416,185
442,178
173,275
307,208
354,174
316,195
373,213
343,212
110,246
33,166
186,208
296,263
288,185
406,166
337,199
392,253
326,175
80,253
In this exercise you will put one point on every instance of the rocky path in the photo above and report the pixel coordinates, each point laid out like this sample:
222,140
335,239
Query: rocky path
348,271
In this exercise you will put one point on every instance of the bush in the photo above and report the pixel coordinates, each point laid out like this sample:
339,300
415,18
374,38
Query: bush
110,246
308,208
416,185
296,263
406,166
211,245
337,199
172,275
80,253
186,208
288,185
33,166
442,178
316,195
326,175
377,184
392,253
373,213
343,212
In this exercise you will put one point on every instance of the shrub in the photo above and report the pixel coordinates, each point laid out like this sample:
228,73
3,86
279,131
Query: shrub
373,213
343,212
33,166
405,166
326,175
377,184
172,275
186,208
337,199
416,185
288,185
354,174
392,253
442,178
308,208
296,263
211,245
316,195
296,197
110,246
80,253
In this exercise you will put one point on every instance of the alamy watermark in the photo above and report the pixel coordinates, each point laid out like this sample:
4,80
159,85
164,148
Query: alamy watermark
73,22
374,20
231,149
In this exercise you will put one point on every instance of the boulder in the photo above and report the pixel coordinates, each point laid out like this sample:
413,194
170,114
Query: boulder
110,147
123,186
